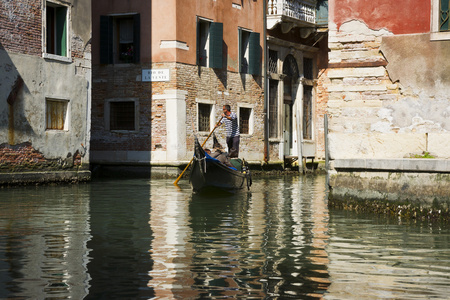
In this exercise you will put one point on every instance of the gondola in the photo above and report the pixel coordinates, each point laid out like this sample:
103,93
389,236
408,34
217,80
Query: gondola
209,174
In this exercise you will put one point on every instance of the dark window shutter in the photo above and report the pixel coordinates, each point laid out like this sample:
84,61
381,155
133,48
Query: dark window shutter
197,62
240,49
106,53
137,38
215,45
254,67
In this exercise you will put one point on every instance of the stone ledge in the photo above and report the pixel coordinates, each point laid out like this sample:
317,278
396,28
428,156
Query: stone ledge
405,165
44,177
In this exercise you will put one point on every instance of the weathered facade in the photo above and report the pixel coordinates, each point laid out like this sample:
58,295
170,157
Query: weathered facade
388,90
297,50
163,70
45,86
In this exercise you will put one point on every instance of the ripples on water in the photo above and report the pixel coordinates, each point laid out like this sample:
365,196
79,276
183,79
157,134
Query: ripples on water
135,239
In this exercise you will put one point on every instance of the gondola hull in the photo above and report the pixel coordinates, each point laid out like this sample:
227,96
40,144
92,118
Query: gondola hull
209,174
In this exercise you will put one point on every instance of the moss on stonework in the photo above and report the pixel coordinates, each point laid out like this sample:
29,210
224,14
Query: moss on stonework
435,212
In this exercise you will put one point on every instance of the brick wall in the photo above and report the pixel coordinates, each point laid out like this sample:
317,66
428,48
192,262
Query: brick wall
21,26
204,83
24,158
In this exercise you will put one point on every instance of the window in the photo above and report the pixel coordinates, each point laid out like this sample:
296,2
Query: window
249,52
209,44
204,116
245,120
273,108
273,61
56,29
443,15
56,114
121,114
120,39
440,25
308,68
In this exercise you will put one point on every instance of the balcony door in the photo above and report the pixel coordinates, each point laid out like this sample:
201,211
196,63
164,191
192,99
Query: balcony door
290,86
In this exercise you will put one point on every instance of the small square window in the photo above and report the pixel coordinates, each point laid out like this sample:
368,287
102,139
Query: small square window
56,114
204,116
244,120
56,29
122,115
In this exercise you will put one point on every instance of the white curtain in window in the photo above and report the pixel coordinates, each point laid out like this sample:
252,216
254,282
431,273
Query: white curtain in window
126,31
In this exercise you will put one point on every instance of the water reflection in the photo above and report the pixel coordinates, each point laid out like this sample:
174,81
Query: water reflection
43,238
376,257
140,239
269,242
121,239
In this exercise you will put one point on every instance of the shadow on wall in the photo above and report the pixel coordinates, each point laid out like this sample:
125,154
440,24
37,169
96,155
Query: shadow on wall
12,90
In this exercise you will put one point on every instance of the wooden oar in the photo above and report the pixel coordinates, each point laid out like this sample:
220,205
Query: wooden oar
179,177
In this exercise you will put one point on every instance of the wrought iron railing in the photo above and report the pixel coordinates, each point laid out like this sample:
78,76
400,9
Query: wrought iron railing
303,10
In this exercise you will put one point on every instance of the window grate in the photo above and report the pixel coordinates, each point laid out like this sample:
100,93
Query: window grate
273,61
444,15
122,115
244,120
204,115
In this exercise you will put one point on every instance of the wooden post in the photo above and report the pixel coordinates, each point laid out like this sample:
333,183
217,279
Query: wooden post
301,167
325,129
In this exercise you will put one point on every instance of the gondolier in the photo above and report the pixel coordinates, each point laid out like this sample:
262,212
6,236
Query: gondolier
232,130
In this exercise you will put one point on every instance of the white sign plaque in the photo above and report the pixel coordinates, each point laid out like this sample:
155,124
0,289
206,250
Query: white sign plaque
151,75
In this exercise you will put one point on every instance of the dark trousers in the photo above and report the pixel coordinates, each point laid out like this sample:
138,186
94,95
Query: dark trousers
233,145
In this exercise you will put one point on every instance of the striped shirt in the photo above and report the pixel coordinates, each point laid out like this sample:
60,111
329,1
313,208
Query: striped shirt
231,126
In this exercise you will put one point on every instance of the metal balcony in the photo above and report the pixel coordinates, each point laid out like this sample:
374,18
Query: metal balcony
296,13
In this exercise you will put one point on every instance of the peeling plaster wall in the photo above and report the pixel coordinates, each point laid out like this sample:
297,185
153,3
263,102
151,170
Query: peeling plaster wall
43,80
389,96
25,143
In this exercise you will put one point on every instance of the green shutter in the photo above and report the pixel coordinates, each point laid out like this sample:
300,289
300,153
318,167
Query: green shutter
254,64
443,16
61,31
197,61
106,47
137,37
215,45
240,49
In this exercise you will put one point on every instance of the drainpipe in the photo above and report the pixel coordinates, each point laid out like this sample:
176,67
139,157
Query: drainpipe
266,88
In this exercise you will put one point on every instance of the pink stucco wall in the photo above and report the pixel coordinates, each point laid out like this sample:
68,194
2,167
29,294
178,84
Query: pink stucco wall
177,20
399,17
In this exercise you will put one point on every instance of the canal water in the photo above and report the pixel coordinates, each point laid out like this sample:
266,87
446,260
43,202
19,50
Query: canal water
141,239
